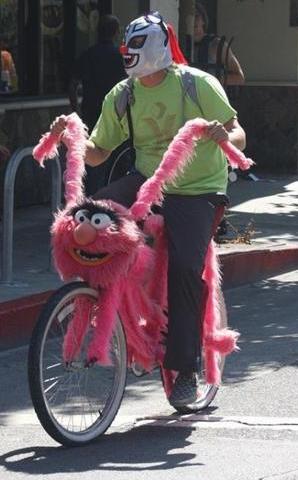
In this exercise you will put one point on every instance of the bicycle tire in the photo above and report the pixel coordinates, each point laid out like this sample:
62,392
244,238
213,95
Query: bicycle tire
66,392
207,391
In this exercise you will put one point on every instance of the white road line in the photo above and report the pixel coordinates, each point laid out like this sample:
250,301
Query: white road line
215,422
199,421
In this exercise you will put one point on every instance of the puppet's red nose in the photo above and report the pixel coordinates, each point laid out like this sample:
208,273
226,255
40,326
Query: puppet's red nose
84,233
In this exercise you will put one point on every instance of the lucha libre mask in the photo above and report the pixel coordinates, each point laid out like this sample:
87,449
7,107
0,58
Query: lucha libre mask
146,46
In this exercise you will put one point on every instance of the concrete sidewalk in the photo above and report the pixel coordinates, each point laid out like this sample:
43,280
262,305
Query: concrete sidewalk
268,206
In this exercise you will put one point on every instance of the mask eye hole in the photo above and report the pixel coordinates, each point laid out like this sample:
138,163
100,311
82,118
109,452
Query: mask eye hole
81,216
137,41
101,220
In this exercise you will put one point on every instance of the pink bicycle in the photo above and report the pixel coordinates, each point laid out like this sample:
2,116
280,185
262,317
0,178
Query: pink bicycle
113,317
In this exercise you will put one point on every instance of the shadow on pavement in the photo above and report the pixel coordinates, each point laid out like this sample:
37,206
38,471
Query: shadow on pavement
265,313
132,451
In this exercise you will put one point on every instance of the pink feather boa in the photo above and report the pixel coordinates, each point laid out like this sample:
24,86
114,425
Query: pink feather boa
175,159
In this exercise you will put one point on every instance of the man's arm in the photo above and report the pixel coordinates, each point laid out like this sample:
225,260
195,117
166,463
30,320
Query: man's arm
231,131
94,155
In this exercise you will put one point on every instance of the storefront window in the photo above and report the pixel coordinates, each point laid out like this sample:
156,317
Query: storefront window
52,25
40,40
294,13
87,15
8,46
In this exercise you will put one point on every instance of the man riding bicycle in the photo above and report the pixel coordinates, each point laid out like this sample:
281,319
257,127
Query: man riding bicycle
193,207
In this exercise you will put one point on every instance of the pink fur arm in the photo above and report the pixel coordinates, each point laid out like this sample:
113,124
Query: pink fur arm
236,158
46,148
74,138
175,159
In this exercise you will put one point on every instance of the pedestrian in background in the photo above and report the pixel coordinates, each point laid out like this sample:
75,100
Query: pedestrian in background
213,54
98,69
8,75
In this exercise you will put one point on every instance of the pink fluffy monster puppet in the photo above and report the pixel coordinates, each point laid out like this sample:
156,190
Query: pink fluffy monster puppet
101,243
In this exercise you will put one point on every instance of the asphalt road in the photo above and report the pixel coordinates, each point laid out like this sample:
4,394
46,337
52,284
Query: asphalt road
250,432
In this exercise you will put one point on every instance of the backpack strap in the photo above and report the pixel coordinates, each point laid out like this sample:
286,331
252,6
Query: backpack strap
124,98
226,62
189,85
219,63
123,103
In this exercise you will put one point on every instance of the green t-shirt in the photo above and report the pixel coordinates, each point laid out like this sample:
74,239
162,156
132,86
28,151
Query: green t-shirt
157,114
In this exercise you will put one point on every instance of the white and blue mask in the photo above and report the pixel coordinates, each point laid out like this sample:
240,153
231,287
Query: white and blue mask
146,48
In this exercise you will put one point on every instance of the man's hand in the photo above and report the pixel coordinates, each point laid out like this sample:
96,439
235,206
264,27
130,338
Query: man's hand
217,132
94,155
230,131
58,126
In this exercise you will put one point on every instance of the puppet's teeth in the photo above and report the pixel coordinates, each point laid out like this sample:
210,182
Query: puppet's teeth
90,257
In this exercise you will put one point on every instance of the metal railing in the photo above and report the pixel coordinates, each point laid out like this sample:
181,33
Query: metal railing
8,206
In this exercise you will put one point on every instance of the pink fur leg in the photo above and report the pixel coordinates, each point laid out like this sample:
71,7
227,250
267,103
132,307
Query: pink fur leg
77,328
105,322
142,320
216,340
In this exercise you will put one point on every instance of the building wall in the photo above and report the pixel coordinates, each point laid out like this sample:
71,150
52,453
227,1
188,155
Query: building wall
125,14
265,44
269,116
169,10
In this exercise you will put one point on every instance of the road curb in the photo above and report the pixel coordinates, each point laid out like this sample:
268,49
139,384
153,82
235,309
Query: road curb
242,267
17,317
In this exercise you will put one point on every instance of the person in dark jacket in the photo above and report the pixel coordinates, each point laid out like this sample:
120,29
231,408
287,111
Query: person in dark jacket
98,69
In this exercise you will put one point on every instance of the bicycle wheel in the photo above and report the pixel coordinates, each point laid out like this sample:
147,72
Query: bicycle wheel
74,403
207,392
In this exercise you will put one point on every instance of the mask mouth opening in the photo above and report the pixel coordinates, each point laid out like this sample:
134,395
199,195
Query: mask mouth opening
130,59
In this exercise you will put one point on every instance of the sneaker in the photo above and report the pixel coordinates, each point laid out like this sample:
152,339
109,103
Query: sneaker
185,390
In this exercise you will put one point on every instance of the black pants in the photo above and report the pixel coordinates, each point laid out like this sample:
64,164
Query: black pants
190,223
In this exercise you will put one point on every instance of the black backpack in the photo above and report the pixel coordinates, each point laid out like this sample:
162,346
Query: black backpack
218,69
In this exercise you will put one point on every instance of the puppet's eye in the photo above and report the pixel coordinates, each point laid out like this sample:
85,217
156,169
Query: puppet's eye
81,216
101,220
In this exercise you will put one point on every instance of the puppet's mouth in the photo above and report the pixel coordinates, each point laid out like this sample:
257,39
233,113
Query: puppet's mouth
88,258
